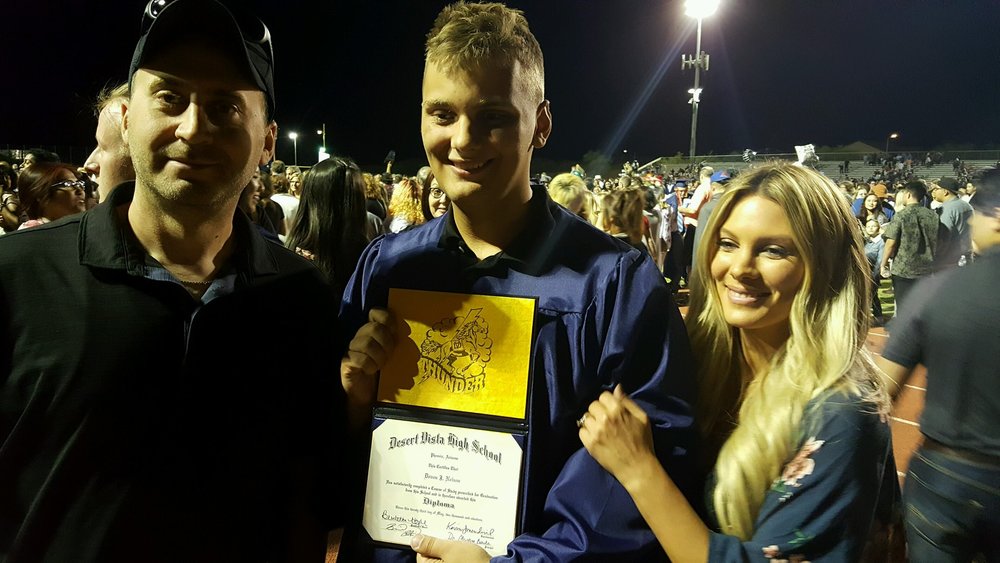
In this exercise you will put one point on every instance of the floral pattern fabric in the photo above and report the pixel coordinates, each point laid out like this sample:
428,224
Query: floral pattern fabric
836,491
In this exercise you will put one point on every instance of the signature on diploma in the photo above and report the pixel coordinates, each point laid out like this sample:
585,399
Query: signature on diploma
464,530
406,525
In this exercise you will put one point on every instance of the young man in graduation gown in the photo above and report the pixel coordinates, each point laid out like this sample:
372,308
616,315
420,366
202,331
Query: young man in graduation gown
604,314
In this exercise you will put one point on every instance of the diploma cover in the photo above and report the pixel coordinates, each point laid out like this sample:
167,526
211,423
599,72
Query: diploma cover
449,428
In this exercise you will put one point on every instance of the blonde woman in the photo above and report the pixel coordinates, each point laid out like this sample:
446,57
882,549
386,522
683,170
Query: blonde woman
788,396
568,190
405,211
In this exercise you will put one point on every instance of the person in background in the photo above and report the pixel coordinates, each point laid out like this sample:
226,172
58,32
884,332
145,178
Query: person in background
35,156
50,191
278,168
882,192
874,248
568,190
294,174
673,263
249,203
849,189
911,240
651,224
433,201
110,164
422,173
331,227
861,193
621,213
27,161
952,483
272,211
793,406
404,208
10,204
283,194
954,238
667,227
718,188
873,209
970,190
375,197
691,211
278,177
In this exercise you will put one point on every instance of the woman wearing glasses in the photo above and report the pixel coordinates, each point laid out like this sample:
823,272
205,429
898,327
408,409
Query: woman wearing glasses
50,191
433,201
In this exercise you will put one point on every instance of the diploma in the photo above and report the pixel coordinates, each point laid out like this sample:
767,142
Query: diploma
446,481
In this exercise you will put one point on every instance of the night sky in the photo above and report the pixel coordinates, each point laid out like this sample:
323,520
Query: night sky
782,73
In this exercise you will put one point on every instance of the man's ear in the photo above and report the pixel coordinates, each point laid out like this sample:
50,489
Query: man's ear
269,140
123,124
543,125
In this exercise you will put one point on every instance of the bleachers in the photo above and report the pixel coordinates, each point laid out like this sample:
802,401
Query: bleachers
857,169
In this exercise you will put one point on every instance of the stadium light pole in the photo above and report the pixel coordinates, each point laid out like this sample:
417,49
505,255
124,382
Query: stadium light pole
322,154
889,138
295,142
322,132
698,9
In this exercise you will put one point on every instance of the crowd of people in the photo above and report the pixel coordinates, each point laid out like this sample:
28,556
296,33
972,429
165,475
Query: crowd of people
137,420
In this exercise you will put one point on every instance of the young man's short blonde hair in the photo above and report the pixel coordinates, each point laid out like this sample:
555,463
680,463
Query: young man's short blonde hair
467,35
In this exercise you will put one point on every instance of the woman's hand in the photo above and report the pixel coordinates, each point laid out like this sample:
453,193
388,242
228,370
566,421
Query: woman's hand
433,550
617,434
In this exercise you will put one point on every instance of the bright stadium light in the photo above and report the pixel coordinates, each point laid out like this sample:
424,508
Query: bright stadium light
700,8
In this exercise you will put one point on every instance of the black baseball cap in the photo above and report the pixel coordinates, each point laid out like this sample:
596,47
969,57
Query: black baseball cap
949,184
244,36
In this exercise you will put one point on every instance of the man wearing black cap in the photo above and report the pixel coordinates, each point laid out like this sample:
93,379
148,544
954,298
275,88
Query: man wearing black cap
136,421
954,241
953,504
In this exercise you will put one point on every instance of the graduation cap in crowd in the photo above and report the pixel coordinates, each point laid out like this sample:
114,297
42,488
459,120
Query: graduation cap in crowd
722,176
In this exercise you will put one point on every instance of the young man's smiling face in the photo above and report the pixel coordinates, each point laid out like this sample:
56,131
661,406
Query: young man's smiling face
479,127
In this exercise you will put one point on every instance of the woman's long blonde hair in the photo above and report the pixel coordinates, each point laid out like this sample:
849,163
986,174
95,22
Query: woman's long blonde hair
758,421
405,203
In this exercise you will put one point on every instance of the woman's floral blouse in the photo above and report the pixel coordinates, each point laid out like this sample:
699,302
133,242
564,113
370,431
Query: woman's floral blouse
838,490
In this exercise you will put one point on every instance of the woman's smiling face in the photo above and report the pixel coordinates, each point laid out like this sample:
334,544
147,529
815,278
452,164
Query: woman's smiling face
757,267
